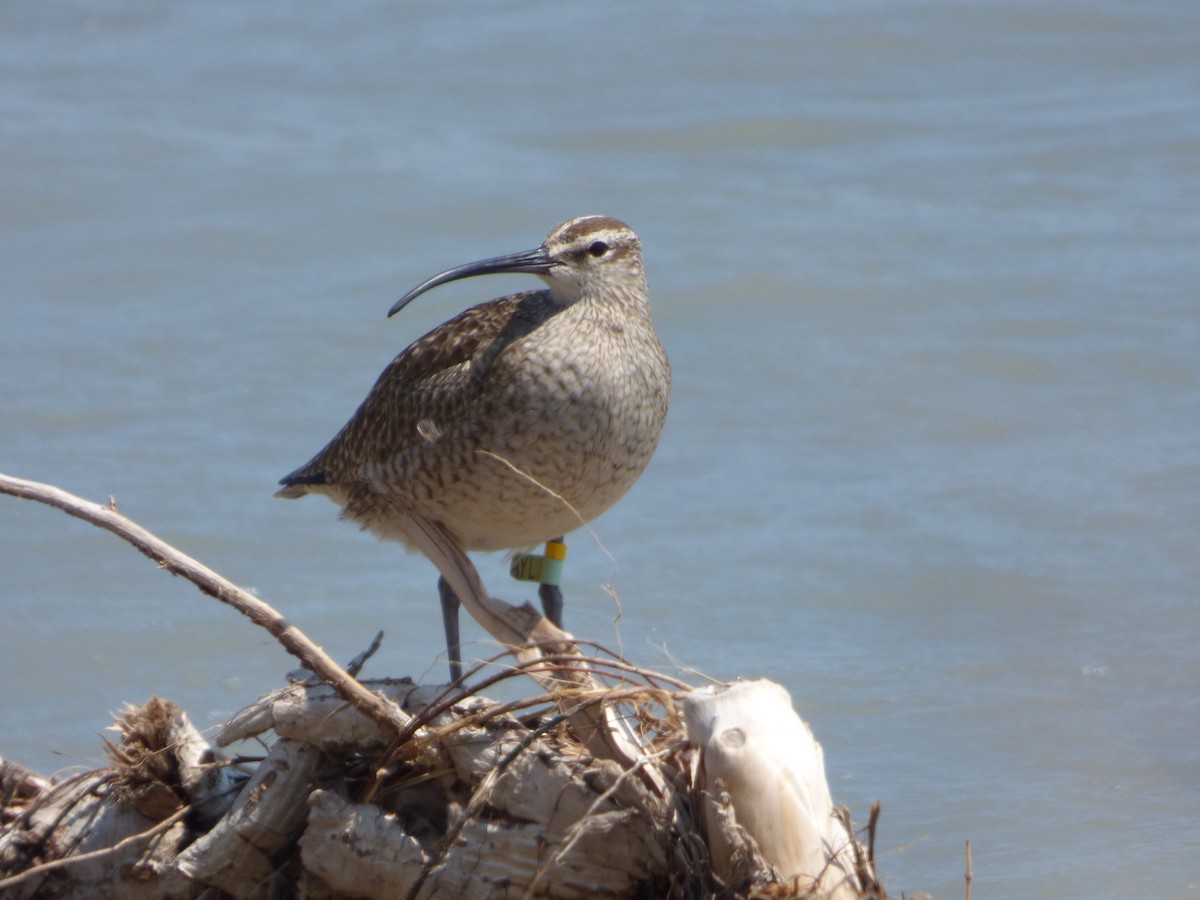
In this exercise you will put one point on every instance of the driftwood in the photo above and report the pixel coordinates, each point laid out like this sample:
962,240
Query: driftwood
611,782
764,756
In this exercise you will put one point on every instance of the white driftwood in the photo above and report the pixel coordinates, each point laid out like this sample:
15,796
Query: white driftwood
88,847
537,824
385,789
316,714
535,787
238,855
116,832
489,806
357,850
762,753
607,857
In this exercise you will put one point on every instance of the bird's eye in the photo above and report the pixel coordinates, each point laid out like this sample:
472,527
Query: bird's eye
599,248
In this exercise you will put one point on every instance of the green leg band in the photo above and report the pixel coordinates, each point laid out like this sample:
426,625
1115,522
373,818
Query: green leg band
546,569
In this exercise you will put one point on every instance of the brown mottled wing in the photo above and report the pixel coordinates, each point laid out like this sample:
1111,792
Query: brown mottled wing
429,386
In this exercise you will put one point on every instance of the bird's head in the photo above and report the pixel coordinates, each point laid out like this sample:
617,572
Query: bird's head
590,255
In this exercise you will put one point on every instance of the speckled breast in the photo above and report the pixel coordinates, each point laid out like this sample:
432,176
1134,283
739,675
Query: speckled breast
568,420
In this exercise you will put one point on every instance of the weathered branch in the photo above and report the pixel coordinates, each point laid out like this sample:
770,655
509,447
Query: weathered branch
44,869
176,562
764,756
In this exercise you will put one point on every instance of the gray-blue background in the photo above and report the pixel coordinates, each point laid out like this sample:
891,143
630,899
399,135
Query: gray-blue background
927,272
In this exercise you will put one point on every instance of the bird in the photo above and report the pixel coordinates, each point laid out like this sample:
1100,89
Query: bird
514,422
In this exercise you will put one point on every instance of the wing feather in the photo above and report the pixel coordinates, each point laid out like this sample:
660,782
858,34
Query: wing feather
427,389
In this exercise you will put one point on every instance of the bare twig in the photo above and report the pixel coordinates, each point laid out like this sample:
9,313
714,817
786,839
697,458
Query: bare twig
176,562
864,865
355,665
872,826
970,874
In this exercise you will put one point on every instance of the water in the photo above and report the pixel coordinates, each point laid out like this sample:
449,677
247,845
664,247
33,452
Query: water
927,273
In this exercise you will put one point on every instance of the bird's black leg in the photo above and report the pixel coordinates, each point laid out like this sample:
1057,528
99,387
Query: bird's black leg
551,594
552,602
450,620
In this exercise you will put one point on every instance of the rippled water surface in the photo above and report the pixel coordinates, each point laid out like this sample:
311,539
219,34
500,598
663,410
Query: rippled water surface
928,276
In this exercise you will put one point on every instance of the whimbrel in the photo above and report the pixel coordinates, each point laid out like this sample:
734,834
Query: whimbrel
516,421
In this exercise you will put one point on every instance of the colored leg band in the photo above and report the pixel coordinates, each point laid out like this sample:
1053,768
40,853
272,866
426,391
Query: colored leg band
546,569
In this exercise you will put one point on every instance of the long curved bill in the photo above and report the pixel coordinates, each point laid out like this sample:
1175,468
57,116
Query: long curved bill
536,262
